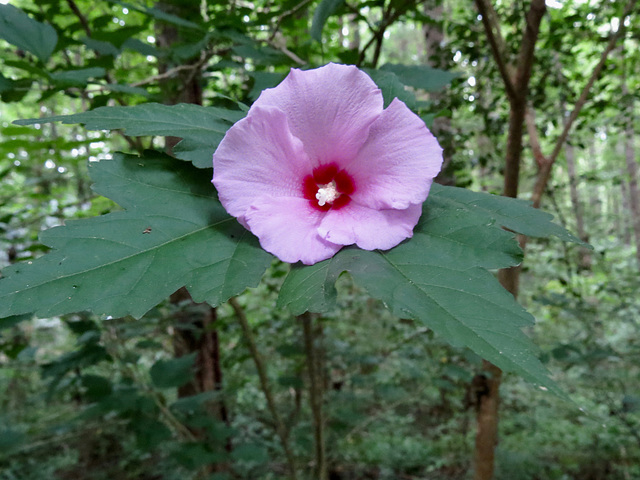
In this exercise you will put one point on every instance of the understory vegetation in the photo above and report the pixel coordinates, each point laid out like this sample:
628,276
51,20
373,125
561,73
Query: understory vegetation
251,385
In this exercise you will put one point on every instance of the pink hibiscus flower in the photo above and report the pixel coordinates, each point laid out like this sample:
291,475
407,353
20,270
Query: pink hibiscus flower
318,164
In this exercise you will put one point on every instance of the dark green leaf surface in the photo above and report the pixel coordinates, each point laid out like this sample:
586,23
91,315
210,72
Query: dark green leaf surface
441,277
201,128
391,87
159,14
325,9
100,46
421,76
514,214
174,372
77,78
174,232
19,29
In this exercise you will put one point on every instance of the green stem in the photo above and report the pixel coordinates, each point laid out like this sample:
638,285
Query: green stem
281,430
315,394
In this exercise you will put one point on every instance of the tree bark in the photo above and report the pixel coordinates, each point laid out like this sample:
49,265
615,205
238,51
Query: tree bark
437,57
194,323
488,407
631,162
595,204
544,172
584,262
517,87
632,173
316,392
516,81
625,209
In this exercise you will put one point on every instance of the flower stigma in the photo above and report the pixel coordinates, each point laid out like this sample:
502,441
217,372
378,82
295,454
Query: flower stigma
327,193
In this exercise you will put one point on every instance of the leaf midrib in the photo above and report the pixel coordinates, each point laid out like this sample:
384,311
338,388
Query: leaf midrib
114,262
448,314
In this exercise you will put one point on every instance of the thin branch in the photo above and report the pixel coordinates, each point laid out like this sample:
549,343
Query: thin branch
534,139
496,42
315,394
168,74
358,16
545,172
281,430
114,346
284,15
518,105
205,56
388,17
81,17
594,76
280,43
527,49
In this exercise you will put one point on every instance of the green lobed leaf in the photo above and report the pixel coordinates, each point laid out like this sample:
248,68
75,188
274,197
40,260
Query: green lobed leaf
19,29
440,277
421,76
173,233
320,16
514,214
201,128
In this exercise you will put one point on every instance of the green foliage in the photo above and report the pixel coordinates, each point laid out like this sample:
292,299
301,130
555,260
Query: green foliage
89,396
200,128
174,233
323,11
439,277
173,373
421,76
18,28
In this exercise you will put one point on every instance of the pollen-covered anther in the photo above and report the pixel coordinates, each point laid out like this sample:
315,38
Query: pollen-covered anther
327,193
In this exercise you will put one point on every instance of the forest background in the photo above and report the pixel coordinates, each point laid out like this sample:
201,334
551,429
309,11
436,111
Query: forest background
529,100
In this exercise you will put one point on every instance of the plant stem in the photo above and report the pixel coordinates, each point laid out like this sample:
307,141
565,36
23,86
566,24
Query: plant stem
315,394
281,429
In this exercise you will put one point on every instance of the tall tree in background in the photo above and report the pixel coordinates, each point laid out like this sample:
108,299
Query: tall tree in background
629,61
516,82
395,391
195,327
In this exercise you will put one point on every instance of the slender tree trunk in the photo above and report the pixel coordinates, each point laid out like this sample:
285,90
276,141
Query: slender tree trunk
488,408
631,163
569,153
584,262
632,185
595,205
517,86
315,370
194,323
435,56
626,209
516,82
354,33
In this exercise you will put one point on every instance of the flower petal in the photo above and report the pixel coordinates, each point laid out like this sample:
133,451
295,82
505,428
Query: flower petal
398,162
288,228
369,228
258,157
329,108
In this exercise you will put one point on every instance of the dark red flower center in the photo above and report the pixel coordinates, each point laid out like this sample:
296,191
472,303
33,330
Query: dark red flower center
328,188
